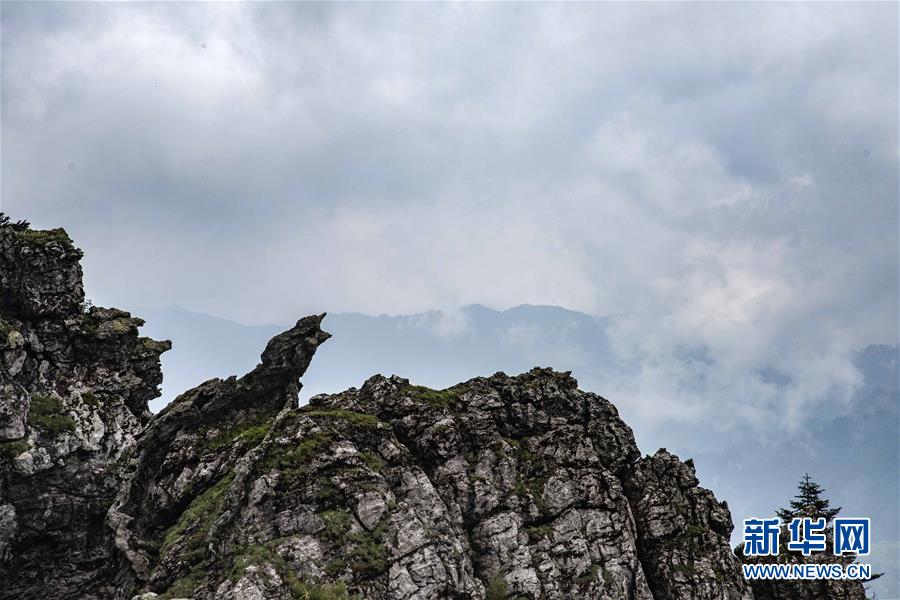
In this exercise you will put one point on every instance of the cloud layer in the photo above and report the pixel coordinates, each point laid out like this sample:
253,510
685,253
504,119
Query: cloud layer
722,179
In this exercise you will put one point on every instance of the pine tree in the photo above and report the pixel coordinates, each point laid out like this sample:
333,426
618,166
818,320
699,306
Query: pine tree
808,503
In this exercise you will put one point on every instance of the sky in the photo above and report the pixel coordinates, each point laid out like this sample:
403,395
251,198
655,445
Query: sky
720,180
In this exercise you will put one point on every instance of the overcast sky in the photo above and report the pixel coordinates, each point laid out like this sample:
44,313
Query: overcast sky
718,177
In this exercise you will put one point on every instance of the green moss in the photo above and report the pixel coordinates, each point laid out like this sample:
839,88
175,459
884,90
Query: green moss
686,540
356,418
437,398
695,530
293,464
13,449
537,492
90,399
183,587
372,460
46,413
249,433
718,573
335,567
364,551
118,326
38,237
337,525
300,590
496,589
295,467
328,493
534,471
522,489
193,526
122,462
369,556
538,532
255,555
527,456
588,576
5,327
685,569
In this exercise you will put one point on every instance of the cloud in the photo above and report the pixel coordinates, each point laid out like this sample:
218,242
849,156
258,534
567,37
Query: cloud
721,177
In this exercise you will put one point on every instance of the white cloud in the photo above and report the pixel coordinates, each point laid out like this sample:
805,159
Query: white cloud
721,177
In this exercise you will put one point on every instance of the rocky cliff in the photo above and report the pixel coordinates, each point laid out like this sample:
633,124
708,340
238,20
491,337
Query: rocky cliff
499,487
74,387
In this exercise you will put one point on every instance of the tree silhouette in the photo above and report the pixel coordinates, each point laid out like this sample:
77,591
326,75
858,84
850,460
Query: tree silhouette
14,225
808,502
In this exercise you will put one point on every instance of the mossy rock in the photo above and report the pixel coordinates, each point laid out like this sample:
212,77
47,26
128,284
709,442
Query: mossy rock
192,527
91,399
294,463
14,448
356,418
250,433
589,576
5,328
262,555
496,589
46,413
537,533
372,460
437,398
39,237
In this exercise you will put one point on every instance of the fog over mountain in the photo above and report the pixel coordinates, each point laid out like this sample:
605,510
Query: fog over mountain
850,449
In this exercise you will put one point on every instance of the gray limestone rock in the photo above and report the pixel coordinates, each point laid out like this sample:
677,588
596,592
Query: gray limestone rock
74,388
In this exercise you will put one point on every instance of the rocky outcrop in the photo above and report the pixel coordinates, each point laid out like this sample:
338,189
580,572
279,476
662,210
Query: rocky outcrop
500,487
683,531
199,441
497,487
74,387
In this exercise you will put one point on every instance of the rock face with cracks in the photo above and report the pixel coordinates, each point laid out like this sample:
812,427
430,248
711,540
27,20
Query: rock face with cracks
497,487
500,487
74,387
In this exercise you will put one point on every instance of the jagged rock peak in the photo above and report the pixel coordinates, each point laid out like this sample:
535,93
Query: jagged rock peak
499,486
288,354
74,388
40,272
167,469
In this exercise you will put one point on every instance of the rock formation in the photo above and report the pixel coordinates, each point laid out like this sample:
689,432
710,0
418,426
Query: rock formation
499,487
74,387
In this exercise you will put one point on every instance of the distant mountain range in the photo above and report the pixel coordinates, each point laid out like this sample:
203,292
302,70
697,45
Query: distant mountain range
854,454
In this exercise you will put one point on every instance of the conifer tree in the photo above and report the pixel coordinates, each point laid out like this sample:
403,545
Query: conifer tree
808,502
